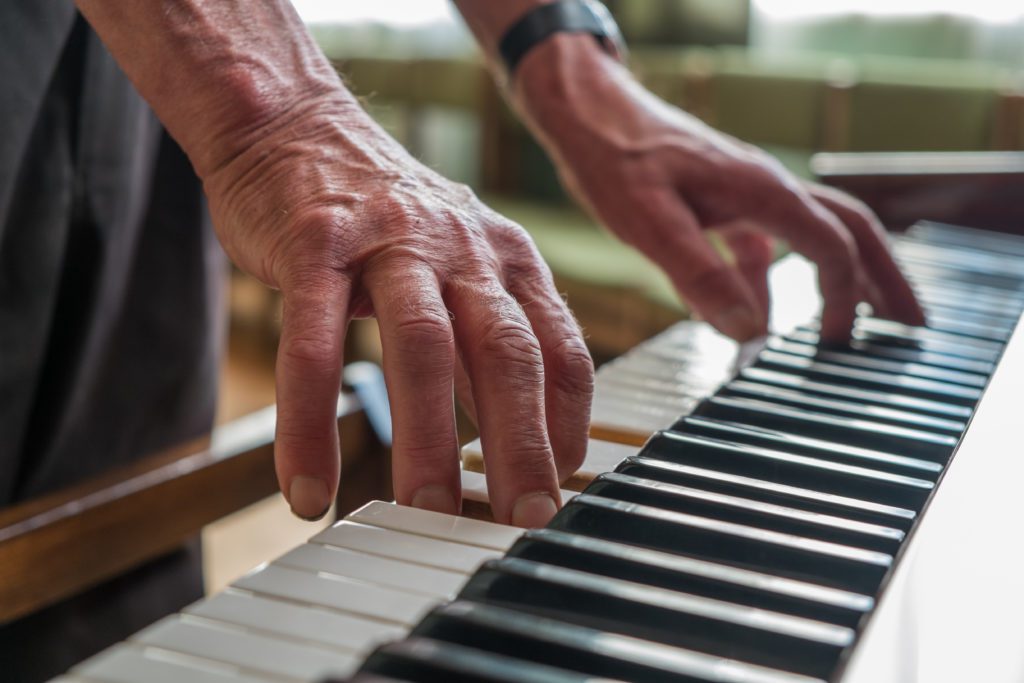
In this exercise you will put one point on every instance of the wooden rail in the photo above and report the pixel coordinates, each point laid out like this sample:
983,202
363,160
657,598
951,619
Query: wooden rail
60,544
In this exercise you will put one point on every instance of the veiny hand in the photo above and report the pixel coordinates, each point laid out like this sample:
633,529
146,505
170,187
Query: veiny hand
661,179
346,224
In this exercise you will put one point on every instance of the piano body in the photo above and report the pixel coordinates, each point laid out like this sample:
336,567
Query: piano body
783,513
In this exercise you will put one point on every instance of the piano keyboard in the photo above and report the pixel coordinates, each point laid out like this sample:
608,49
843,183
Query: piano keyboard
747,540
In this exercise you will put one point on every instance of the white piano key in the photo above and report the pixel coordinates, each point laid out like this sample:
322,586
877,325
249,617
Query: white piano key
635,420
649,365
637,395
374,569
406,547
246,650
638,408
128,663
437,525
602,456
617,382
355,597
474,482
682,363
300,622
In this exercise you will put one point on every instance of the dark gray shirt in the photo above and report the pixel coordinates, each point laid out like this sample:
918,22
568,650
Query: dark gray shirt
109,307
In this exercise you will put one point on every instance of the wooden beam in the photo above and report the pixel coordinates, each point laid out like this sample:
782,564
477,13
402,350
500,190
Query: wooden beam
58,545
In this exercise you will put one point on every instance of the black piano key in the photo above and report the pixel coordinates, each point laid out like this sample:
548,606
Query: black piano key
591,651
669,617
958,237
895,338
691,575
768,491
961,325
795,557
1001,324
747,511
864,360
869,379
424,660
918,269
1008,300
893,329
965,273
974,302
899,353
913,442
868,396
799,444
833,406
792,469
969,260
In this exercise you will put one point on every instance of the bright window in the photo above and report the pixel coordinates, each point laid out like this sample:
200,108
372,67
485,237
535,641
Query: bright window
985,10
394,12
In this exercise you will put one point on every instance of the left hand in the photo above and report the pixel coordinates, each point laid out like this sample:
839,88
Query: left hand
661,180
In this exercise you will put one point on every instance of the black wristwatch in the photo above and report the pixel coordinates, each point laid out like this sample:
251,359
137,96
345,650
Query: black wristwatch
563,16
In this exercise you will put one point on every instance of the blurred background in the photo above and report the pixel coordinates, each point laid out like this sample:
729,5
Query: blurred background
793,76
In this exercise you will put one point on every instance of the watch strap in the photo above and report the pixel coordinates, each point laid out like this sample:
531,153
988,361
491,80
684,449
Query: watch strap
564,16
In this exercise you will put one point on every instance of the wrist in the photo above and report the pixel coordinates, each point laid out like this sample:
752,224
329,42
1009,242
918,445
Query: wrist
242,111
561,77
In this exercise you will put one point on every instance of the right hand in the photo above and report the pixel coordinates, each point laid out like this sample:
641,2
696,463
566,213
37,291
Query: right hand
323,205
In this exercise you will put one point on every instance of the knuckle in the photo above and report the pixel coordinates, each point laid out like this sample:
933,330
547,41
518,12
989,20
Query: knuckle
320,354
844,253
710,278
511,238
424,344
423,329
512,344
300,435
531,455
317,232
572,369
430,453
463,192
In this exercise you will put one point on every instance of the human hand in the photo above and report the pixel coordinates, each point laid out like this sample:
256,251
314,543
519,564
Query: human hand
327,208
310,196
662,180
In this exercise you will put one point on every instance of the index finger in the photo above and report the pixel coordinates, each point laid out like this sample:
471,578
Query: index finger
714,287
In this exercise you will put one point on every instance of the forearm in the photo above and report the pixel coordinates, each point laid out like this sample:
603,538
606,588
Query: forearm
219,72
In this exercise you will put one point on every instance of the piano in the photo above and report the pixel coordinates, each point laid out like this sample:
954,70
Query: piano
783,512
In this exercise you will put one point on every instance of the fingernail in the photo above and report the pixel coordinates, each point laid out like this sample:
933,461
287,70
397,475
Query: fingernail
436,498
738,322
533,510
309,497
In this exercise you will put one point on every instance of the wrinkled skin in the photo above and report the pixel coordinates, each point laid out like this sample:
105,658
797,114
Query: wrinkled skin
662,180
313,198
348,225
